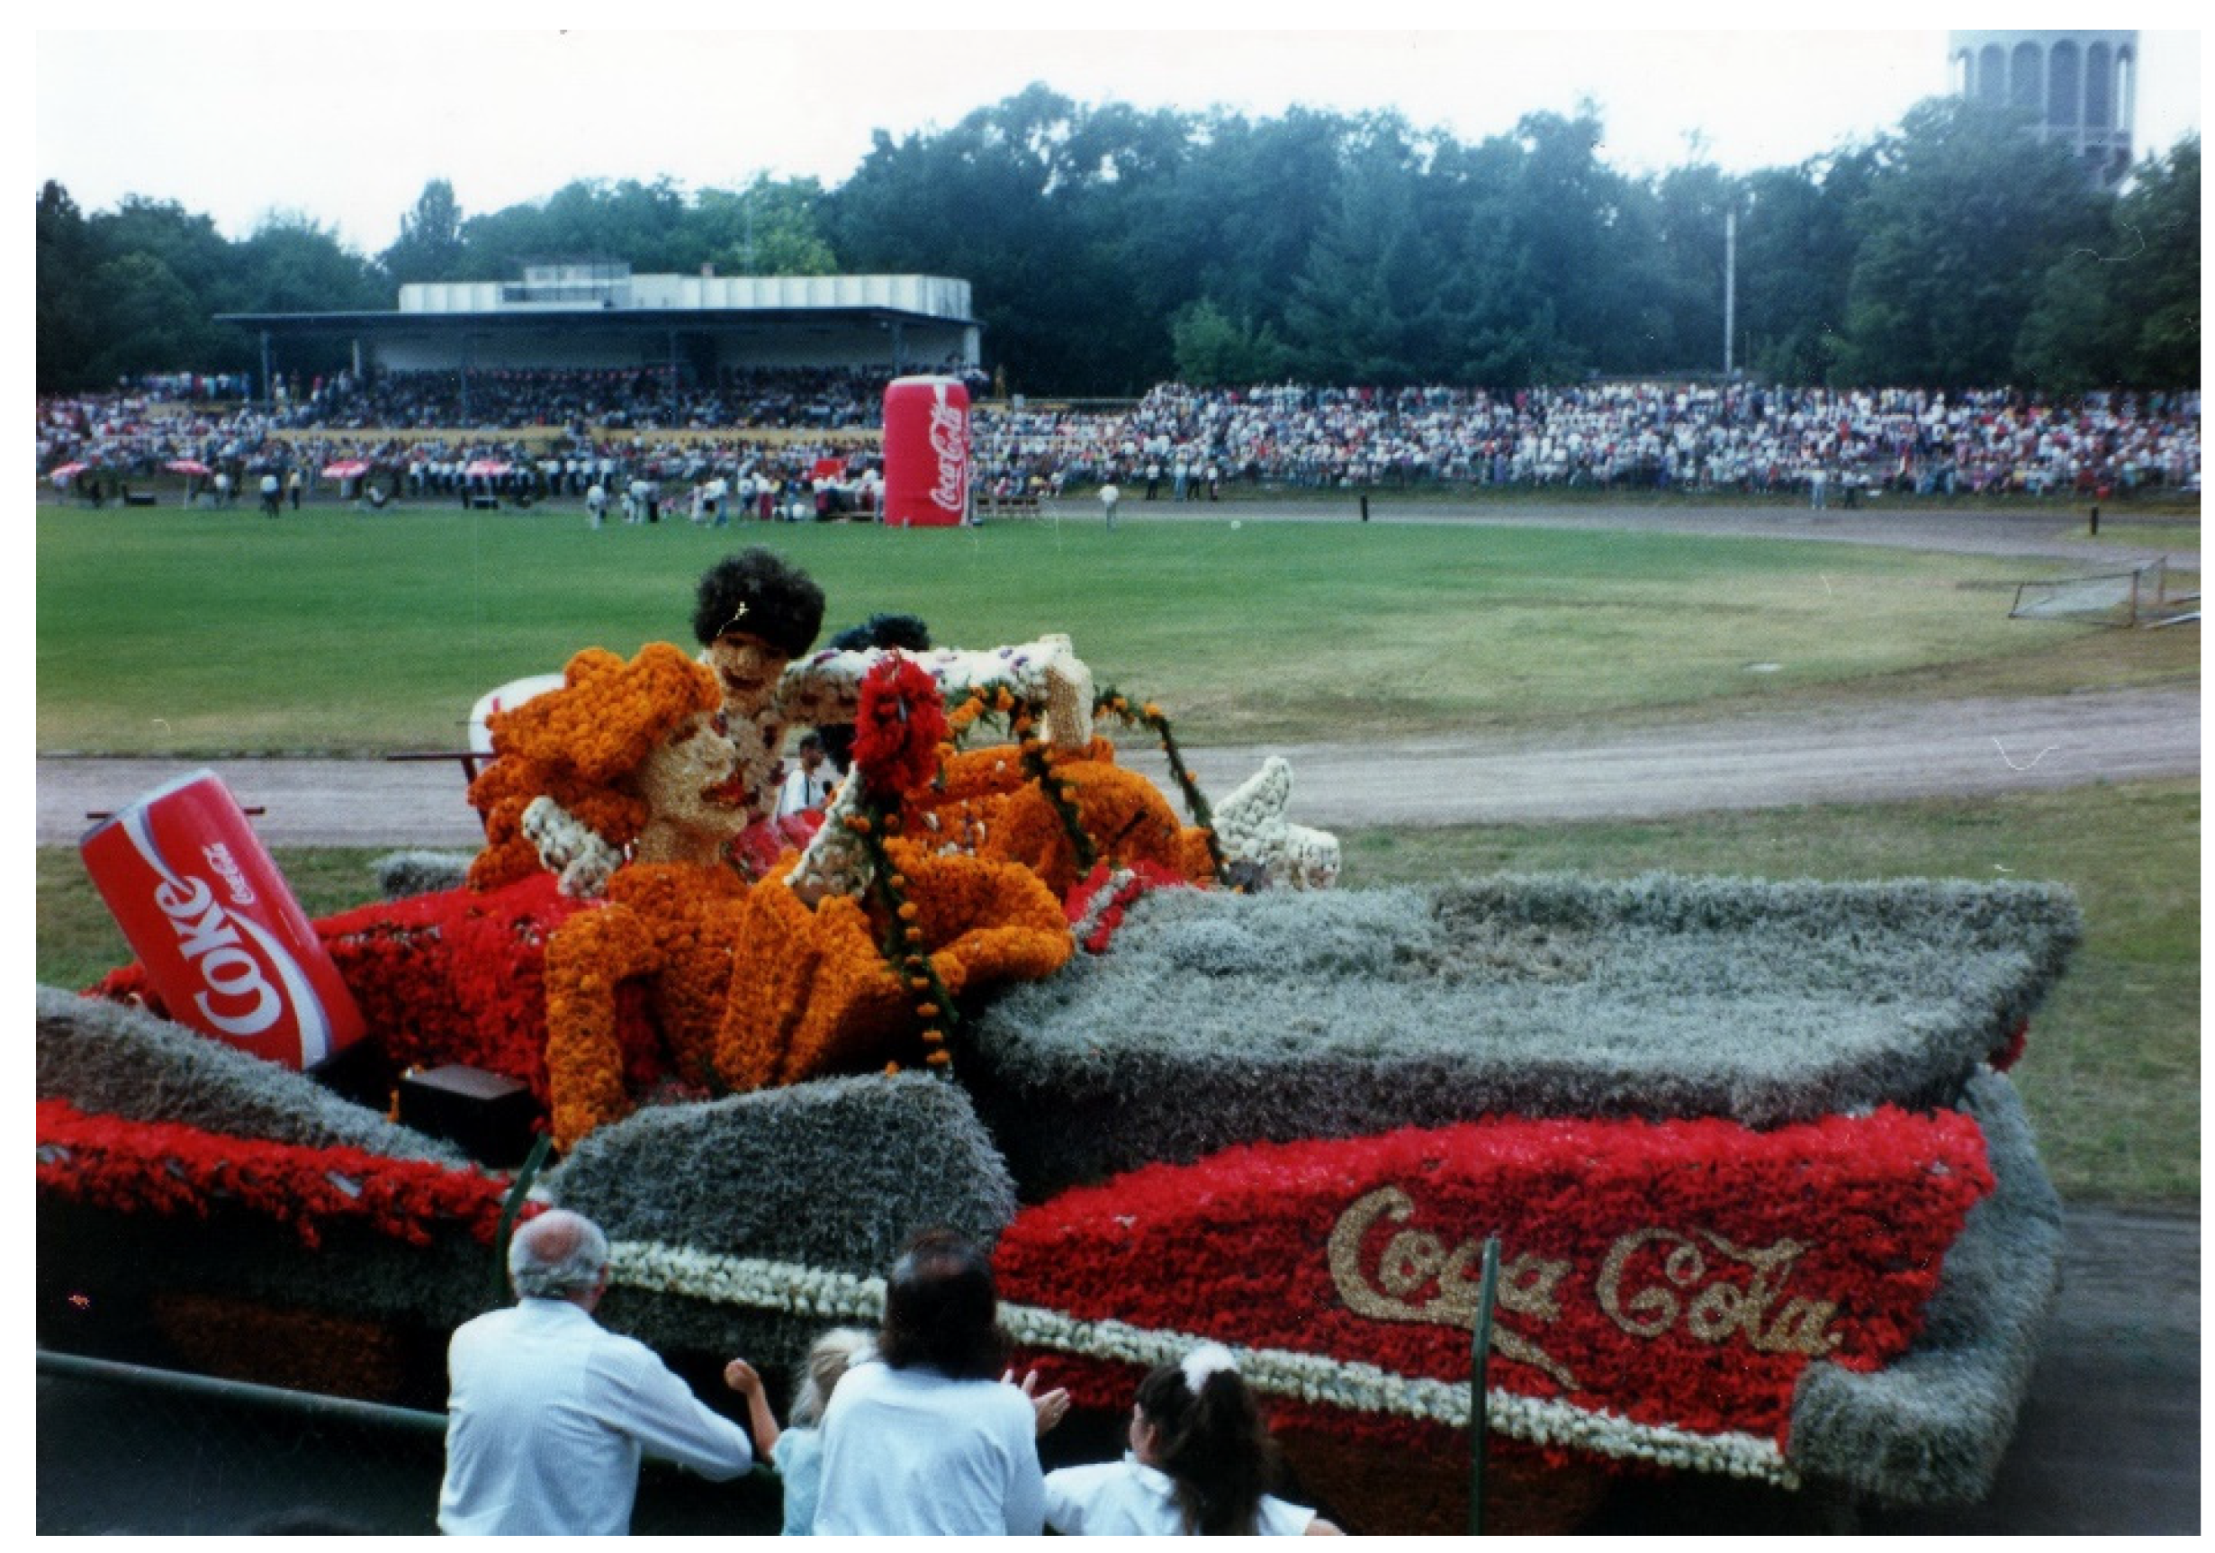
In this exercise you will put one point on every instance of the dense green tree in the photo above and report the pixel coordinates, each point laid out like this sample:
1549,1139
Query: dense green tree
2154,260
430,246
1796,245
69,327
292,264
770,227
1963,216
1214,350
152,322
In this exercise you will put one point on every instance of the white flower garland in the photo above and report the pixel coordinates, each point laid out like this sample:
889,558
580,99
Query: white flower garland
793,1289
825,687
835,861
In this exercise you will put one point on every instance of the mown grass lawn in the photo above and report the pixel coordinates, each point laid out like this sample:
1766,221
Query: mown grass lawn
203,633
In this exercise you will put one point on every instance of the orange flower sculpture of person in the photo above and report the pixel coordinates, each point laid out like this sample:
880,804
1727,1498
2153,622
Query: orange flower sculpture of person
622,775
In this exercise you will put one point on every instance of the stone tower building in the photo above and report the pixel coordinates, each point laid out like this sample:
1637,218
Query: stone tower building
2080,86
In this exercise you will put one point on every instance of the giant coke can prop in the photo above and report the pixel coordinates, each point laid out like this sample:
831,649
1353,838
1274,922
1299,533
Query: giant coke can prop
224,943
926,451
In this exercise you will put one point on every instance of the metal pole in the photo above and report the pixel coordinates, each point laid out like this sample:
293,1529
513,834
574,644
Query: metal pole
308,1403
1730,287
1479,1363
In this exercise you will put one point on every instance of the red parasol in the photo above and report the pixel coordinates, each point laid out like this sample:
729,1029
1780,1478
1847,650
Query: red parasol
186,466
488,467
346,469
61,474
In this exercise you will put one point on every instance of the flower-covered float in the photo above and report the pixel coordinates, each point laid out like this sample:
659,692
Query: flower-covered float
1766,1199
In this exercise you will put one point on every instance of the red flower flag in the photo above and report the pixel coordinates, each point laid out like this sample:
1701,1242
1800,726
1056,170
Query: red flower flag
898,729
1663,1284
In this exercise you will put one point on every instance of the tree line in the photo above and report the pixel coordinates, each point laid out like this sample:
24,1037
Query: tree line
1112,248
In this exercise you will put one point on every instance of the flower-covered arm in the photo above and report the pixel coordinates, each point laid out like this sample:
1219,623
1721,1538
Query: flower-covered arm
570,848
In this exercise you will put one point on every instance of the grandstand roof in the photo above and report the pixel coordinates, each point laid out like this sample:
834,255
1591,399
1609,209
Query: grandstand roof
609,296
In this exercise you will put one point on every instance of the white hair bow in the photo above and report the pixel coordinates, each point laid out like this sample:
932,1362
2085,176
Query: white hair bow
1208,1359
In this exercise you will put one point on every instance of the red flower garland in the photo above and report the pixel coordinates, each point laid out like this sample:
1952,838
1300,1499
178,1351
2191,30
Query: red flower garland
1096,903
898,727
1677,1274
170,1168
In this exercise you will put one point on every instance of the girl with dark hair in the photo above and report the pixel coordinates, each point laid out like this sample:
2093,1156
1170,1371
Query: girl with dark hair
928,1438
1201,1464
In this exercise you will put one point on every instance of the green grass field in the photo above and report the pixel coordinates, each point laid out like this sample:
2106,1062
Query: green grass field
215,633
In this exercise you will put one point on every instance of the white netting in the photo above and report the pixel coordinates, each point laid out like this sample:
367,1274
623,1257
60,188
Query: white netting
2113,598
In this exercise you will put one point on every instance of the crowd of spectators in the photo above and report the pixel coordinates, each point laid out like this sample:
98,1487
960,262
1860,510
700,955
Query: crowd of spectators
622,399
1184,443
1176,443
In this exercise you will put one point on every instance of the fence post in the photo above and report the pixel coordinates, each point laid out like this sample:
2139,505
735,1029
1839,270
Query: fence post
1479,1363
508,1211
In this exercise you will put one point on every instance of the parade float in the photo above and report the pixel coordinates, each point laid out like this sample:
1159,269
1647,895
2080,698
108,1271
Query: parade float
1765,1199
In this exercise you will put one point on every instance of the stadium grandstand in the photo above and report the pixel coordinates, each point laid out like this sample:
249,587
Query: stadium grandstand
597,316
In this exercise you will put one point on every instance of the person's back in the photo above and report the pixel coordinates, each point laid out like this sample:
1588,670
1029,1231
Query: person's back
525,1376
548,1413
912,1453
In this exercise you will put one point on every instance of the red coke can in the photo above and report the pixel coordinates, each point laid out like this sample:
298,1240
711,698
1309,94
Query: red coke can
926,452
225,945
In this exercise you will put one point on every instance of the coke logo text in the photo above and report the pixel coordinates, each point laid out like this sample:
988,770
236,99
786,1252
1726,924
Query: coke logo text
211,942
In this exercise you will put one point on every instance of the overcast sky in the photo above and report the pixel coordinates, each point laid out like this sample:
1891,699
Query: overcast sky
244,116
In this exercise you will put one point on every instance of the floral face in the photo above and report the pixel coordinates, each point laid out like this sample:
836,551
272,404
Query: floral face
690,779
749,669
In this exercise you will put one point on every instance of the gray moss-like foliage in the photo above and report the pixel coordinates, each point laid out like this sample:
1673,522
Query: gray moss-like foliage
836,1173
1216,1019
118,1060
1932,1427
401,874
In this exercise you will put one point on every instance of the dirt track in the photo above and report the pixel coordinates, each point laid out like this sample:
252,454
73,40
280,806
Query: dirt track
1886,751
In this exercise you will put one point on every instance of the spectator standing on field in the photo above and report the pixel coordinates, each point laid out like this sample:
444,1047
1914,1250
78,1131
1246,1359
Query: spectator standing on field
922,1439
1109,496
596,504
549,1413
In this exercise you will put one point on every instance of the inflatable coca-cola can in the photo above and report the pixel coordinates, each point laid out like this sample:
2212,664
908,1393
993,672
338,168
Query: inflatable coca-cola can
926,451
226,947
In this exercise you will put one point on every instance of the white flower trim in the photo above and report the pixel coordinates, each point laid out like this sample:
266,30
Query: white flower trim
793,1289
835,861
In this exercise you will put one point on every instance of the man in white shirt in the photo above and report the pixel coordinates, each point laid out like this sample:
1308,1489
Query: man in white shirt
809,784
549,1413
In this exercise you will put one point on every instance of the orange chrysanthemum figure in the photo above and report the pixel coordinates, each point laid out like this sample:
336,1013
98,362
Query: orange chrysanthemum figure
626,750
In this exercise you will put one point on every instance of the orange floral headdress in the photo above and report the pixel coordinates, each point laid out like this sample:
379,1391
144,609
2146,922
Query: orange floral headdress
577,744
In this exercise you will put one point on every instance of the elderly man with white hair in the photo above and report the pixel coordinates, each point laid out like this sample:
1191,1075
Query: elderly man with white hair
548,1412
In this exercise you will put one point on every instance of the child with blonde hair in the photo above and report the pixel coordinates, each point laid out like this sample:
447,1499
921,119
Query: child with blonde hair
797,1452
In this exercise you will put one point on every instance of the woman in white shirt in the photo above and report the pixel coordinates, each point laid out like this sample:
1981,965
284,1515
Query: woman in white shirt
1200,1464
928,1438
